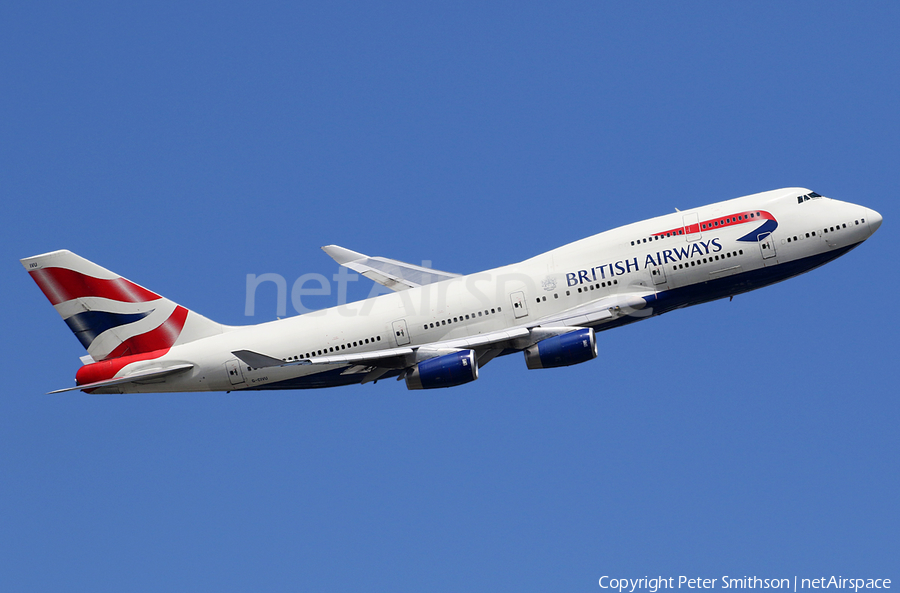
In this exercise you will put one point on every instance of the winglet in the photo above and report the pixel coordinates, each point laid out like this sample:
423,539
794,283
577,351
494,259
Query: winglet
343,255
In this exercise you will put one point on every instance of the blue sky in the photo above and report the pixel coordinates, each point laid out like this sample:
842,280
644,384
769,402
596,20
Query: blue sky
185,146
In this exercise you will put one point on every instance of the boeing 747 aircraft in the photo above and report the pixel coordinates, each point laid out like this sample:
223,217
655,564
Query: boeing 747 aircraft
438,329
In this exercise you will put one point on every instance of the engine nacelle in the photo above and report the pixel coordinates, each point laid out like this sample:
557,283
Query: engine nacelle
562,351
448,370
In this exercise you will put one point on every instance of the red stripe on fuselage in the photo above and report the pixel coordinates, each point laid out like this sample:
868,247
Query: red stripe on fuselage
156,339
62,284
720,222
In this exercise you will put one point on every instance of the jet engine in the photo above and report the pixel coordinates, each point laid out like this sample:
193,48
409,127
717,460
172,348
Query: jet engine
561,351
448,370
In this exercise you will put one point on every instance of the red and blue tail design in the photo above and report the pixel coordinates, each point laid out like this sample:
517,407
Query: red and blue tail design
113,317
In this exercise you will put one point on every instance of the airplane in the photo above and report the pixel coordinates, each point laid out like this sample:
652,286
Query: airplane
438,329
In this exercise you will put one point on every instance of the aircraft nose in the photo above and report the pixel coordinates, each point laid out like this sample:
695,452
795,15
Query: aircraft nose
874,221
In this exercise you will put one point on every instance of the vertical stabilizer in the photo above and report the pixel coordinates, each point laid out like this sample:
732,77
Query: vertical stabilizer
111,316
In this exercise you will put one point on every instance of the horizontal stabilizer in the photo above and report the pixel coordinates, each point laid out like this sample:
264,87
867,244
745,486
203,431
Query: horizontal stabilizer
132,378
391,273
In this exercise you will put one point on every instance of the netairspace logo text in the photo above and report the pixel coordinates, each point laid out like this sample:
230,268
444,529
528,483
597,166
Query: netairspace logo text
655,584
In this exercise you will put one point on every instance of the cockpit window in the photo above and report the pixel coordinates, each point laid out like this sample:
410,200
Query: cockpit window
808,197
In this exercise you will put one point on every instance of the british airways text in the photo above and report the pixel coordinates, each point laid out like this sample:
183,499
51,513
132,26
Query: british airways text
626,266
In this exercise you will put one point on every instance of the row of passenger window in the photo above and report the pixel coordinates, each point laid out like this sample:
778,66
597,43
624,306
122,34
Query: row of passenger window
729,220
540,299
826,230
703,226
331,349
658,237
452,320
597,286
715,258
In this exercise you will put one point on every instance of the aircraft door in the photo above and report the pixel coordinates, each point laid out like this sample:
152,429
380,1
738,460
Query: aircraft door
520,308
235,375
692,227
401,333
767,245
659,275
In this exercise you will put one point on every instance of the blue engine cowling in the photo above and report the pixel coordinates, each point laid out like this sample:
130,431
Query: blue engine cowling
448,370
562,351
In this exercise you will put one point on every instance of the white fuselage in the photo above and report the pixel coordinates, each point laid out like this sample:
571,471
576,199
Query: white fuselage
673,261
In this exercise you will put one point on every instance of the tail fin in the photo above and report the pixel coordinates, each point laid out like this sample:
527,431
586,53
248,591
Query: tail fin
111,316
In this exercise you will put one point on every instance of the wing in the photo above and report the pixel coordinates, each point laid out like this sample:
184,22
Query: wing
487,345
391,273
138,377
602,310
